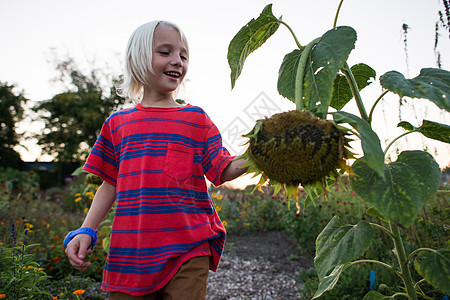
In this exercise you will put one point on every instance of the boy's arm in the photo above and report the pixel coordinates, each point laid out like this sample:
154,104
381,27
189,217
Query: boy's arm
234,170
77,249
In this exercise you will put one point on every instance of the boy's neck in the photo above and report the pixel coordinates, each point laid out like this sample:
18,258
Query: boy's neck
162,101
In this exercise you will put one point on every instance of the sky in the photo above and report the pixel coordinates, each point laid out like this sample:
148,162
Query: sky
96,32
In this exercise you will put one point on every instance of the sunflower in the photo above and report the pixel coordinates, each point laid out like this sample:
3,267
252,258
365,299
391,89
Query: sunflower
296,148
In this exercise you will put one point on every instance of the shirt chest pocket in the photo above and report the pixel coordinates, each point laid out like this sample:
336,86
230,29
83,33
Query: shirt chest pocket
179,161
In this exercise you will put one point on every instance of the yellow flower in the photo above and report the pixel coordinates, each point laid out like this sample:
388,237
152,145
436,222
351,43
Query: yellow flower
78,292
224,223
214,195
218,208
77,194
40,269
219,197
247,224
90,194
78,199
86,210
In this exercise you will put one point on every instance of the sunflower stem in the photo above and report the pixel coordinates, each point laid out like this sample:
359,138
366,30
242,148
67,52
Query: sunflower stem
401,256
337,13
394,140
375,104
389,267
411,255
355,91
293,34
301,73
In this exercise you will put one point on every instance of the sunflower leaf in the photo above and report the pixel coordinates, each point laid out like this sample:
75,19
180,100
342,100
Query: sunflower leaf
430,129
435,268
254,34
342,92
432,84
408,183
370,142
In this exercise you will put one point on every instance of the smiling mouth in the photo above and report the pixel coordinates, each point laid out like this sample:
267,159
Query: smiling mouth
173,74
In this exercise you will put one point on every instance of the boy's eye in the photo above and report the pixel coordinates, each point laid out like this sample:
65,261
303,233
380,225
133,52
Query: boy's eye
164,52
183,57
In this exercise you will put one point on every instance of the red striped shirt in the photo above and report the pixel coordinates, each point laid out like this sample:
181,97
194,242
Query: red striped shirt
158,159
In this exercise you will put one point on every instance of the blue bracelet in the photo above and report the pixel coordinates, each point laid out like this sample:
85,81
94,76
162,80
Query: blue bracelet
83,230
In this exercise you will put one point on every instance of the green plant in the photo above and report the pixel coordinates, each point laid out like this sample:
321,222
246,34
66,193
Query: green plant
316,77
244,211
305,226
74,287
21,276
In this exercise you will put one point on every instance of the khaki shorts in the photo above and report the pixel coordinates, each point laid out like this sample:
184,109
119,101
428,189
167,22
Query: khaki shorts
189,283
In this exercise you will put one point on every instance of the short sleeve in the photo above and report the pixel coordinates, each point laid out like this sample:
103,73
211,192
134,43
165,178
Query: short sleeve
215,156
102,161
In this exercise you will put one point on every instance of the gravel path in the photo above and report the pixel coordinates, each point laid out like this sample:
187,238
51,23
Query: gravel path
258,266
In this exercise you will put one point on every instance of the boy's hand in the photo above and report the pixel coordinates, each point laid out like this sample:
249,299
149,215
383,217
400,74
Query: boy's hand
77,250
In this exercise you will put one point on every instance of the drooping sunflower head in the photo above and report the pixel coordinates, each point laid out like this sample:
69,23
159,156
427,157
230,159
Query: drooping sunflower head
295,147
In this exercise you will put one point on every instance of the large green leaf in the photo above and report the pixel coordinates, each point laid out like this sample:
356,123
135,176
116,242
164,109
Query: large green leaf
287,74
342,92
250,38
329,281
435,268
408,183
370,142
432,84
430,129
325,60
340,243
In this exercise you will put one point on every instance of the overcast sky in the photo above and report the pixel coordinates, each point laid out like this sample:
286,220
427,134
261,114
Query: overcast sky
88,30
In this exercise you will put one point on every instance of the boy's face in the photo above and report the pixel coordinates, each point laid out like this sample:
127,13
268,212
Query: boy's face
170,60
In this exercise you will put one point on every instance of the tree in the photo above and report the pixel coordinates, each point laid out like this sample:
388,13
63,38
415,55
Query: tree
11,112
74,118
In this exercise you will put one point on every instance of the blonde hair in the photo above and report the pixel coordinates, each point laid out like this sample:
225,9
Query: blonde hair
138,59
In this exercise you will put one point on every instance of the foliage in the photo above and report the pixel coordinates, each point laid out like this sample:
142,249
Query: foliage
21,277
312,77
16,184
73,118
353,285
305,226
244,211
49,215
11,113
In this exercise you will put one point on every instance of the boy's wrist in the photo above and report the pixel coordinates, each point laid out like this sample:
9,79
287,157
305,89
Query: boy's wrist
83,230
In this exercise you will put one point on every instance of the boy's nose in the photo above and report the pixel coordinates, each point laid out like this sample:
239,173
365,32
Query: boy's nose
176,61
